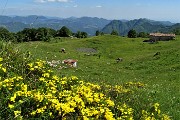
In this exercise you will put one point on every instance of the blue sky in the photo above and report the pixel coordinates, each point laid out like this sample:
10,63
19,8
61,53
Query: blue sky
167,10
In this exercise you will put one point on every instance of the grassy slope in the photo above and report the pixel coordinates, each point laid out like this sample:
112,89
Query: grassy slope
161,73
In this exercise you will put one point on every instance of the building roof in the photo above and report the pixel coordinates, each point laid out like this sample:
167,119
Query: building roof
162,34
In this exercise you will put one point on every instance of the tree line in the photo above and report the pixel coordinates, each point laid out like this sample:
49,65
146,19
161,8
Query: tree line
38,34
131,34
45,34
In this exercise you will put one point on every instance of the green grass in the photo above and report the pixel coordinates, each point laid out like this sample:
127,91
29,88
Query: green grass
161,73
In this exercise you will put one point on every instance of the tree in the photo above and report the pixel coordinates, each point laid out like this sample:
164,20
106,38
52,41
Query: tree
5,35
32,34
143,35
102,33
114,32
80,34
52,32
84,35
64,32
97,33
132,34
176,31
43,34
20,36
28,34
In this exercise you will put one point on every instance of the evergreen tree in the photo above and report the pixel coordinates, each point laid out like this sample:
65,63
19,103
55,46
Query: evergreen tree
64,32
97,33
132,34
84,35
114,32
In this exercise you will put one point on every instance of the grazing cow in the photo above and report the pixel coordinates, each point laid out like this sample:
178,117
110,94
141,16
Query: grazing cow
119,60
71,62
62,50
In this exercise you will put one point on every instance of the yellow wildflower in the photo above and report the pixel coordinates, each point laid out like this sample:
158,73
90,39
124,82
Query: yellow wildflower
21,101
38,97
24,87
85,118
74,78
41,110
13,98
109,115
19,93
31,69
19,78
41,79
110,102
30,65
40,64
11,106
1,59
36,67
46,75
17,113
166,117
54,77
50,113
66,108
63,82
4,69
33,113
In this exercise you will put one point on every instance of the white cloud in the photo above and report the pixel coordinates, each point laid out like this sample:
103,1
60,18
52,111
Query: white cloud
40,1
43,1
75,6
98,6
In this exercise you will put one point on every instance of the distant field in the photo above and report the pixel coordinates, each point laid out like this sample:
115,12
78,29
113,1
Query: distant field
157,65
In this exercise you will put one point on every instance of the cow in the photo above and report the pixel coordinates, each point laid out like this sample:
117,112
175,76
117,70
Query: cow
119,60
70,62
62,50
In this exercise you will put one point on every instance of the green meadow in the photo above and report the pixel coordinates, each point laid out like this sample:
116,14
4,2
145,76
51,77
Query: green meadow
155,64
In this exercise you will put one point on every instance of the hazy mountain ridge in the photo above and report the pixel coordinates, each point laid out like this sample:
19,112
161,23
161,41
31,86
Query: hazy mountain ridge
86,24
140,25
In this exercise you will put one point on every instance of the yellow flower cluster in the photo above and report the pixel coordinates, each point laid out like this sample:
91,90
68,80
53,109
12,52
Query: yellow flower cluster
45,95
3,69
154,114
135,84
38,65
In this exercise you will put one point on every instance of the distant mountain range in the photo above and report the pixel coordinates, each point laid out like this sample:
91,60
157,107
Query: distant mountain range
140,25
86,24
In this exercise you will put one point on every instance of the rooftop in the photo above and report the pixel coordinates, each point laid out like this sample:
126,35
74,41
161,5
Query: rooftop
162,34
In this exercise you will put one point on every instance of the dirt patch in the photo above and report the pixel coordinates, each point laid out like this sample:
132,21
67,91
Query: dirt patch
87,50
